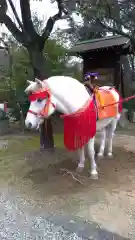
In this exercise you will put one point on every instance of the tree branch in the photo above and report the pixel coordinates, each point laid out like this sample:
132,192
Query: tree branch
18,35
15,13
114,30
3,9
51,21
26,18
117,21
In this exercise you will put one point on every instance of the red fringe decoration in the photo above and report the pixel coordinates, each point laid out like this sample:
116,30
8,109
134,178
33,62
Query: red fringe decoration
80,126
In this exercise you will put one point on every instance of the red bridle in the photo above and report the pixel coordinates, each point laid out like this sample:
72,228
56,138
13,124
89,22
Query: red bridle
41,94
34,113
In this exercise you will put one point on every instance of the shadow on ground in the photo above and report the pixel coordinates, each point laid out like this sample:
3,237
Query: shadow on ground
83,229
42,167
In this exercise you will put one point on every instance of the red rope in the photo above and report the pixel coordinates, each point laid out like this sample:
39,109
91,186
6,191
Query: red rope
123,100
101,107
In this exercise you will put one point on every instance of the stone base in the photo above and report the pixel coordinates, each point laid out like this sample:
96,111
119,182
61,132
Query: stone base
4,127
123,122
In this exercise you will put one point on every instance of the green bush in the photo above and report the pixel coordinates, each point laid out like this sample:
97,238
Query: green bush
16,111
130,105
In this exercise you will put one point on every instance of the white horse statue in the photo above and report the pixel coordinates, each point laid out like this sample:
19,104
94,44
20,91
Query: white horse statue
70,97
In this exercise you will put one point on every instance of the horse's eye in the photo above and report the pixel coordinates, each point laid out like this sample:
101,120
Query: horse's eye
39,100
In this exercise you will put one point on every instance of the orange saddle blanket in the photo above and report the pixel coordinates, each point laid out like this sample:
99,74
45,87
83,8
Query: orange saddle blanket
104,98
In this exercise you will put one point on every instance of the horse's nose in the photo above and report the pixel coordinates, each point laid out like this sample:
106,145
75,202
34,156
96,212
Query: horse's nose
29,125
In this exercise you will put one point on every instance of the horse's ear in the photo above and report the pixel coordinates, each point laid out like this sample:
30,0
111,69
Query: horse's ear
38,81
29,82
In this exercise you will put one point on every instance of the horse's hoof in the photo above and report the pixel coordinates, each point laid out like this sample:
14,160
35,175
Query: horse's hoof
79,169
99,156
94,176
110,155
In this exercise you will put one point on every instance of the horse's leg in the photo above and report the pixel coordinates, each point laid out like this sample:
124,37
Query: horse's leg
81,154
110,133
102,143
91,152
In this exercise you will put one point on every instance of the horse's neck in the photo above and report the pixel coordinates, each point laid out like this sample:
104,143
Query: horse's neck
70,94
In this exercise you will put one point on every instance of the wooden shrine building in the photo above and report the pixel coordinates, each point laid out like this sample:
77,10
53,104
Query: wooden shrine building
103,55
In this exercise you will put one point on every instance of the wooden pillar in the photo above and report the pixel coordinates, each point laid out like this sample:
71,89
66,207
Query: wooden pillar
86,64
46,135
122,83
117,74
83,72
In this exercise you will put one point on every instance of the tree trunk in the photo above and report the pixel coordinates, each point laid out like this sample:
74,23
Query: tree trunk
39,67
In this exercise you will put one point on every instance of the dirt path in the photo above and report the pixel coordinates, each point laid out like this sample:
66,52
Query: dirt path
109,201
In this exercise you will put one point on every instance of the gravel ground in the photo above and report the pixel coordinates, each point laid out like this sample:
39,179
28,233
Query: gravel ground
17,222
22,219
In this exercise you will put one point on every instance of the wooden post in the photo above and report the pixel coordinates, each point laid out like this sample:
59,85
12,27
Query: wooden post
117,74
83,71
46,136
122,83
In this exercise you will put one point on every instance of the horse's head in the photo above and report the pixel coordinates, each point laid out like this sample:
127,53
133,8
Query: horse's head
42,103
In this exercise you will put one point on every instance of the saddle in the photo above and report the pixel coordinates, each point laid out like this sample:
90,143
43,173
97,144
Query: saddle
104,97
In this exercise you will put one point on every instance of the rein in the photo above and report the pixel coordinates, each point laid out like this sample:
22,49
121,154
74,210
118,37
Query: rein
101,107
